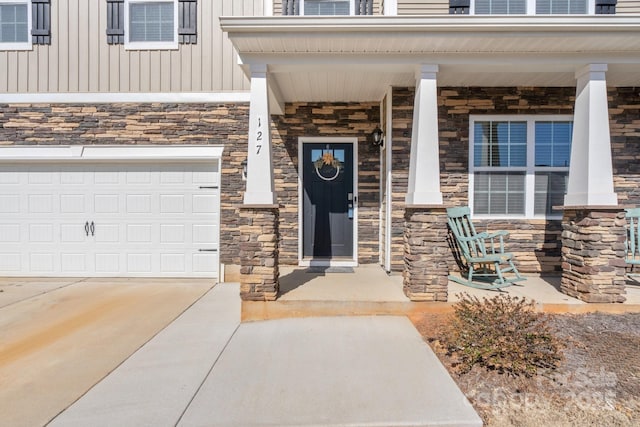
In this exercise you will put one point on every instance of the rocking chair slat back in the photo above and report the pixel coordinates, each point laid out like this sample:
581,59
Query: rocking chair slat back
633,236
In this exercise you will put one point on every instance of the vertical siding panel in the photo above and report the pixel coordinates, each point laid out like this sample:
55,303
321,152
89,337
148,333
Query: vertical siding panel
113,71
54,50
63,54
145,71
216,51
126,71
97,37
176,58
84,33
228,59
13,71
23,71
43,68
196,67
205,40
165,76
34,65
155,71
185,71
74,45
134,71
4,71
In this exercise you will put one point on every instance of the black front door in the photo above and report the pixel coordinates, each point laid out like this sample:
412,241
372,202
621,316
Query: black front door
328,207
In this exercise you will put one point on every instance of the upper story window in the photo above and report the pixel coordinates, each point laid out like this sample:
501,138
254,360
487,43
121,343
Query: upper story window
152,24
519,165
532,7
15,25
327,7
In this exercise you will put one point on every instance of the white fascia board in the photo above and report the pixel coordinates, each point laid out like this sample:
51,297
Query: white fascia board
124,97
428,24
95,153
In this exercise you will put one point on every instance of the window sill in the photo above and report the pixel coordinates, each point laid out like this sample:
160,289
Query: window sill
151,46
16,46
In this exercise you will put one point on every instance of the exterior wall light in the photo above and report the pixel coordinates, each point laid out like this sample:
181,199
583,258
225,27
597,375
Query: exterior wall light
377,137
244,170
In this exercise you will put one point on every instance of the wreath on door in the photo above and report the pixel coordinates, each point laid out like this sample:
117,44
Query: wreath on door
327,167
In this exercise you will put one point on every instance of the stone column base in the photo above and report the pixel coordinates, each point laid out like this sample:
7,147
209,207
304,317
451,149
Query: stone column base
426,252
259,271
593,252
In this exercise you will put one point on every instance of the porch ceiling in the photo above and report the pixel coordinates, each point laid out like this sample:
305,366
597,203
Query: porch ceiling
342,59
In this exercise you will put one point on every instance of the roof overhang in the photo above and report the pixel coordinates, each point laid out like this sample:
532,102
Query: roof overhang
357,58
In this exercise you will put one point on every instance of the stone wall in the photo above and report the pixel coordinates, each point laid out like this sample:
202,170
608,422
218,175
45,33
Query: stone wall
536,243
330,120
593,252
624,109
145,124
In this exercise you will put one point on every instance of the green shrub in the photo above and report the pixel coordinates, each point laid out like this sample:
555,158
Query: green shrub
502,333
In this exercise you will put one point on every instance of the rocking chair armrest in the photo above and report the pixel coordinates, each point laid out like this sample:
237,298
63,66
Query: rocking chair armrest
500,233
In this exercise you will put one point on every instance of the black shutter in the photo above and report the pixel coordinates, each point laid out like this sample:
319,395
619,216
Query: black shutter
459,7
364,7
41,21
188,21
606,7
115,21
290,7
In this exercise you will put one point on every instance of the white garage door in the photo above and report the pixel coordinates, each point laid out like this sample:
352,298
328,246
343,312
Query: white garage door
106,219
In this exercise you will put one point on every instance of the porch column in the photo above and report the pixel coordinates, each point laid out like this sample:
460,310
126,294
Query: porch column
259,232
259,164
590,170
593,225
425,228
424,166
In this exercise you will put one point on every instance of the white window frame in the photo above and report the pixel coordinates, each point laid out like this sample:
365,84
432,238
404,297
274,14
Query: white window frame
531,8
352,9
530,169
28,45
128,45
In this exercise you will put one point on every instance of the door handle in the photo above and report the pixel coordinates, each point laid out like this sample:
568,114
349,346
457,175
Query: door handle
93,228
86,228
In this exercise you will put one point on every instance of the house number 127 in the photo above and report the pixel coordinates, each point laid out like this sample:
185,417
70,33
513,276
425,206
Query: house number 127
259,136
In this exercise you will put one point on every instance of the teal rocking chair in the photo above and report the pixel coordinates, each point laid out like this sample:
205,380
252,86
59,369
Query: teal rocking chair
481,255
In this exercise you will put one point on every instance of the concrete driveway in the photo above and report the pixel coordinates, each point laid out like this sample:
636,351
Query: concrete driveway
59,337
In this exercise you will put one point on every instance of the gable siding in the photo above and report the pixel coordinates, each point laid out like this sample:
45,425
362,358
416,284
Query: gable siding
625,7
423,7
80,60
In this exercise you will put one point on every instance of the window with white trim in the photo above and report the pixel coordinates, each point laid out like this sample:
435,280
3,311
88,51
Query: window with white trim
326,7
151,24
531,7
15,25
519,165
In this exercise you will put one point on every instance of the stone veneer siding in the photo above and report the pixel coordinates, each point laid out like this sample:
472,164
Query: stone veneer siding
536,243
145,124
330,120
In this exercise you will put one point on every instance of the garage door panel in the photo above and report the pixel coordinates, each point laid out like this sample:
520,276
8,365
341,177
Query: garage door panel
73,262
9,203
147,219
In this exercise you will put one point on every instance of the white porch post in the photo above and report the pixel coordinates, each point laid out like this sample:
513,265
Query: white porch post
590,170
259,163
424,166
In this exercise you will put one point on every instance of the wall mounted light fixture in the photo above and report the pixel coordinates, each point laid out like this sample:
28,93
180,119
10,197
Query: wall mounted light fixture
244,170
378,137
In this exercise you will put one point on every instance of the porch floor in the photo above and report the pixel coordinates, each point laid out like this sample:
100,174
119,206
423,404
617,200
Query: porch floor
369,290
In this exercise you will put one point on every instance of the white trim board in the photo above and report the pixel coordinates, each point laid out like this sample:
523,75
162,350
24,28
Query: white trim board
112,97
96,153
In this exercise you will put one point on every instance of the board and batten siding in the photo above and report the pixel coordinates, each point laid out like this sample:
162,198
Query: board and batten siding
80,60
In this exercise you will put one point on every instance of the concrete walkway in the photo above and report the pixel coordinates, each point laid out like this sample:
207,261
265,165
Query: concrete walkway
207,369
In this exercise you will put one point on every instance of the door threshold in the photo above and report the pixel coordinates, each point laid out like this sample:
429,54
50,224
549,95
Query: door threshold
329,262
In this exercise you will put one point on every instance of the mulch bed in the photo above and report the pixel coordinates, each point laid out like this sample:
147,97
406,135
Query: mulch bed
597,383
